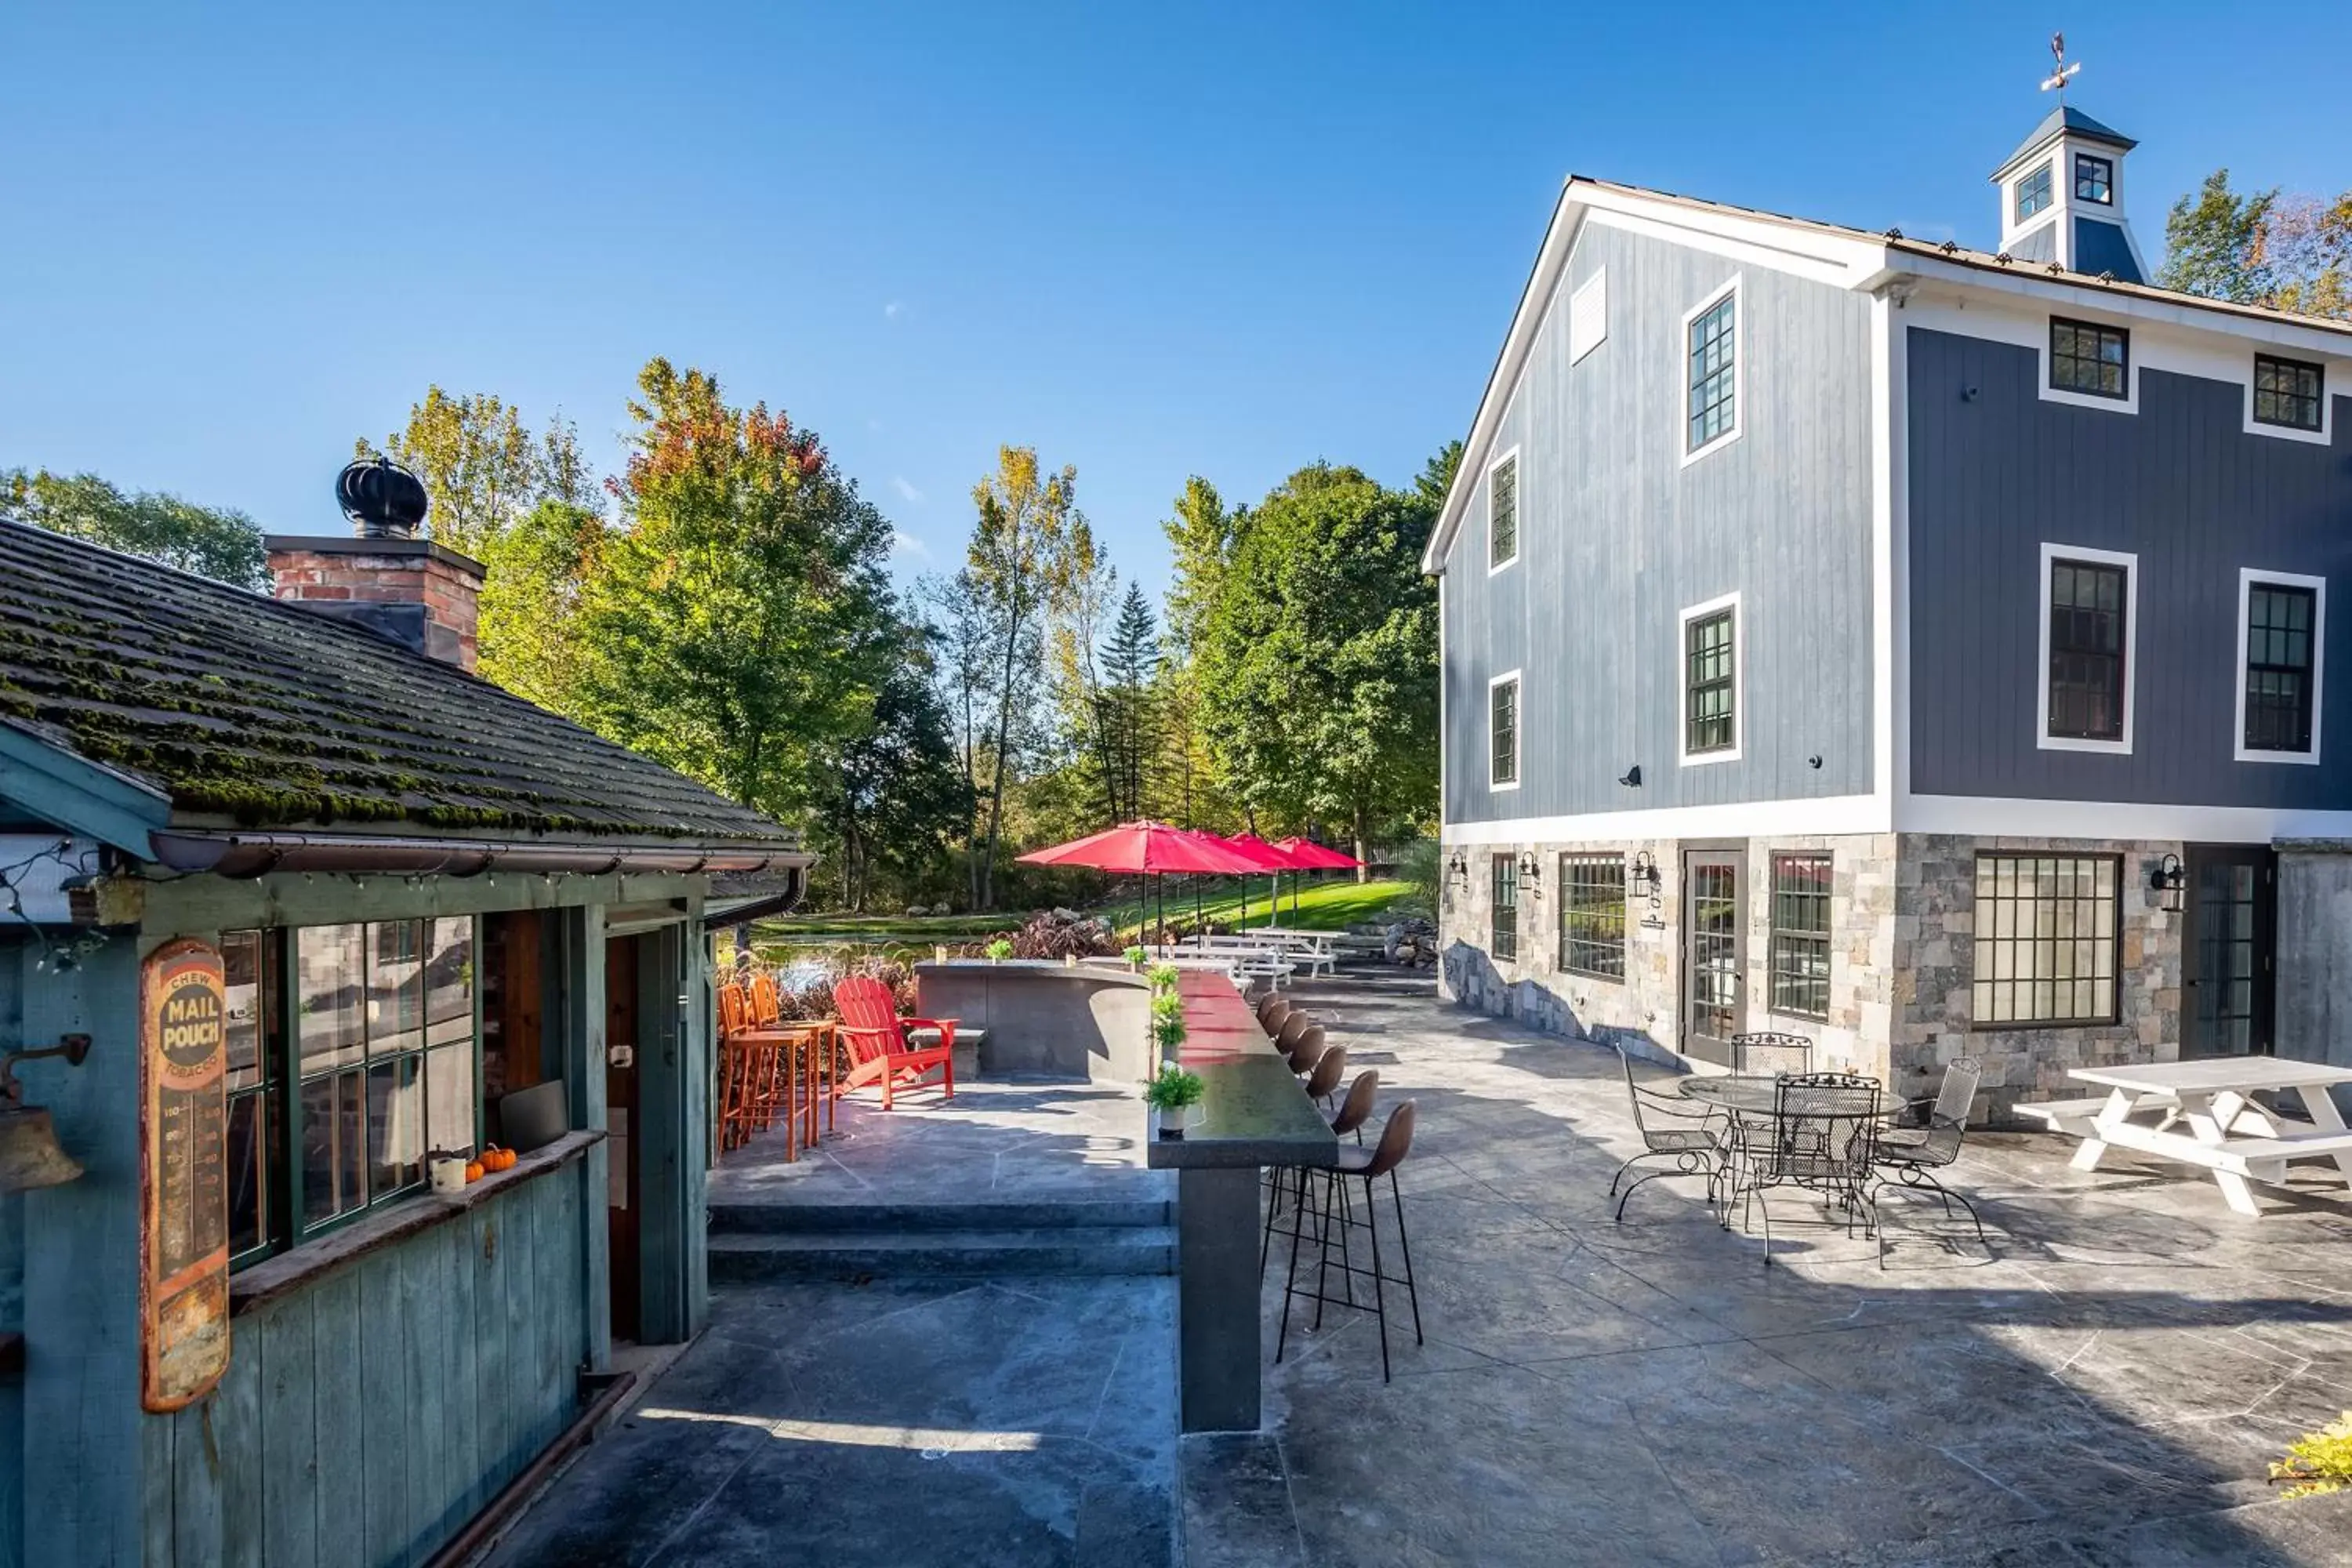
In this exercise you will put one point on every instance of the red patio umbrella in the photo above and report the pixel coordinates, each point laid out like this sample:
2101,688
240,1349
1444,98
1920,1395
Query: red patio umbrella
1308,856
1270,858
1148,849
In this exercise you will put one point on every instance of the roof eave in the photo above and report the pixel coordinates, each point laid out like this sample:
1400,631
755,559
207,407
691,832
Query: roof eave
245,855
50,780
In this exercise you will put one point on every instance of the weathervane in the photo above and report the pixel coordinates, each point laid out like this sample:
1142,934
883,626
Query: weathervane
2057,82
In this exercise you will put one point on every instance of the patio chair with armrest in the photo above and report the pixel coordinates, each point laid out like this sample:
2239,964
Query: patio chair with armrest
1907,1157
1817,1138
1767,1052
1672,1128
881,1048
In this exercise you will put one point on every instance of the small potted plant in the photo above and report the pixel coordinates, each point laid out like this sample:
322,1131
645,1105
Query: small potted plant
1175,1094
1135,956
1168,1032
1164,977
999,951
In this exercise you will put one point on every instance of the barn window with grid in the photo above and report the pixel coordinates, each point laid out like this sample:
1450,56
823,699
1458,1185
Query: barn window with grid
1503,732
1503,514
2045,938
1709,703
1713,366
2278,654
1592,915
1801,935
2089,601
2288,392
2091,359
1505,945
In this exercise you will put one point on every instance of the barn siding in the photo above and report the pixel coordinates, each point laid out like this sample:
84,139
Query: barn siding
1618,536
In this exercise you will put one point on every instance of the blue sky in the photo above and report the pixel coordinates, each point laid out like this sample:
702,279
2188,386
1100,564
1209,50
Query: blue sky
1150,241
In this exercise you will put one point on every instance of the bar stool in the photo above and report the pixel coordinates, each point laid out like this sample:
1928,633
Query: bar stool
1272,1009
1309,1050
1353,1112
1367,1165
1323,1079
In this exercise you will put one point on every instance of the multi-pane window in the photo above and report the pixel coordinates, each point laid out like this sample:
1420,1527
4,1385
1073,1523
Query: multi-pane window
1801,935
1503,732
2033,192
1505,943
1709,672
2088,358
2280,654
1592,915
1713,382
2094,179
1503,513
2088,601
2045,938
2288,392
352,1054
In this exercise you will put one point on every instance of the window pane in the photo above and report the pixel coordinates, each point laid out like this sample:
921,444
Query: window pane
329,976
449,979
2289,392
1713,380
2279,674
243,1030
1505,906
2033,192
449,1092
2044,946
395,1001
395,1124
2085,357
1503,513
2087,639
1504,764
1592,915
2094,178
1709,668
248,1171
332,1146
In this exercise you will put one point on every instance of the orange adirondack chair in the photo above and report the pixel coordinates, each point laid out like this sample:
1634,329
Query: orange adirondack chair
881,1045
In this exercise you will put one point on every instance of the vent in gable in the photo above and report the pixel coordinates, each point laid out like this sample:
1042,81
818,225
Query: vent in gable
1587,316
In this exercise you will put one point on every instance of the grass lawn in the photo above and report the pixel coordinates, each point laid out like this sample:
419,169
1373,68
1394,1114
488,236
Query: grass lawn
1323,906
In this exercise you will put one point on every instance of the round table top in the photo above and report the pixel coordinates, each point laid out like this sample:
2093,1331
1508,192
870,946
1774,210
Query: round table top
1734,1092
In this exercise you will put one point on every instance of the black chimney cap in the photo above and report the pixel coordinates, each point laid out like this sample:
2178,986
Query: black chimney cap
384,500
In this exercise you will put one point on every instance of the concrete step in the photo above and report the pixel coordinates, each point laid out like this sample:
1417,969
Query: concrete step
1065,1249
836,1218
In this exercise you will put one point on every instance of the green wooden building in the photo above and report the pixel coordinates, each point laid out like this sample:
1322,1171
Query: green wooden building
445,919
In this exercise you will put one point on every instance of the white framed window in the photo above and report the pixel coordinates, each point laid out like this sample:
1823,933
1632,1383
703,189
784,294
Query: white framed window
2281,640
2287,398
1587,316
2089,663
1713,367
2089,365
1709,648
1503,732
1503,510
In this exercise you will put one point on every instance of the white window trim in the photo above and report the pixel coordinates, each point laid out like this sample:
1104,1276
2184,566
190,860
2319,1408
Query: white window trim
1730,291
1598,284
2016,186
2044,739
2247,577
1518,512
2129,402
1518,733
1738,682
2322,436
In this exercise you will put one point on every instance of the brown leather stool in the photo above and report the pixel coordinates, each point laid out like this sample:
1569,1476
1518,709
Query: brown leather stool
1367,1165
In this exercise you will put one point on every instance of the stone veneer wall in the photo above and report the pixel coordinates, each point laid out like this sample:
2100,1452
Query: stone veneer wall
1644,1013
1934,966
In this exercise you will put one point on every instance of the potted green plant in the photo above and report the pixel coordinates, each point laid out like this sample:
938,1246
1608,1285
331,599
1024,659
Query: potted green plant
1175,1094
1168,1032
999,951
1164,977
1135,956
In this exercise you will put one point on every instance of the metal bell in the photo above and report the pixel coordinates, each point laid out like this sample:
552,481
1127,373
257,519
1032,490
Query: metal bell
29,1155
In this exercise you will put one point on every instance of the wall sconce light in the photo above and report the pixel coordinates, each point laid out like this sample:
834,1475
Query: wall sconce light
1631,777
1642,874
1530,870
1458,867
29,1155
2167,881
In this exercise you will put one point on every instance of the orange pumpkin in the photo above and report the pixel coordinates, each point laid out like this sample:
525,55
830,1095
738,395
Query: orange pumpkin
502,1160
473,1171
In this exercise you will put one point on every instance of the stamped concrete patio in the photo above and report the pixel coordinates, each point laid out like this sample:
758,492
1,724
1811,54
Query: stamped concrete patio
2106,1388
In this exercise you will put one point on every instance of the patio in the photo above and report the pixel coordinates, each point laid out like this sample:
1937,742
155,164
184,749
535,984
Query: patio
2107,1387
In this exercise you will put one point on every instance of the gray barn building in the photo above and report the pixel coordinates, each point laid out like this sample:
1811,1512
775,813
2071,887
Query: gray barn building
1917,648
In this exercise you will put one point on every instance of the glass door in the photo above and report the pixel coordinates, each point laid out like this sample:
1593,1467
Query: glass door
2230,917
1714,952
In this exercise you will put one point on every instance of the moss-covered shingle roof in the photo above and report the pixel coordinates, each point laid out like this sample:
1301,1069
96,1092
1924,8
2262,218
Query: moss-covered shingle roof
250,711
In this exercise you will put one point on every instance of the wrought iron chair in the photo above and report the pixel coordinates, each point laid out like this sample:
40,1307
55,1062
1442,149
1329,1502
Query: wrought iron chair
1766,1053
1909,1157
1685,1131
1819,1138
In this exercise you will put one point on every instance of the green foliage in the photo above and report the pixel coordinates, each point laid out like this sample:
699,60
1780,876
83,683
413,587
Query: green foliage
2288,252
1131,659
1168,1030
1173,1089
1164,977
999,951
1318,655
740,619
1135,955
2319,1463
538,569
1322,906
1420,865
886,797
207,540
483,468
1167,1005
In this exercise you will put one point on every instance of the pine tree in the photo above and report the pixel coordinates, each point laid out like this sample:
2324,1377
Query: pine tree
1131,659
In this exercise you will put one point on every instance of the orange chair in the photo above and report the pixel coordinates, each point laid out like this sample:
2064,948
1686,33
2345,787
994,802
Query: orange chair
881,1044
759,1072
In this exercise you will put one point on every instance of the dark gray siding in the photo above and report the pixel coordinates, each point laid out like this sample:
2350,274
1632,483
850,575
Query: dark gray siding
2181,484
2100,247
1617,537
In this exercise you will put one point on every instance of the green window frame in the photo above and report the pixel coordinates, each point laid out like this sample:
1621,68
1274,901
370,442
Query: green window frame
1592,914
2047,931
355,1052
1798,949
1504,944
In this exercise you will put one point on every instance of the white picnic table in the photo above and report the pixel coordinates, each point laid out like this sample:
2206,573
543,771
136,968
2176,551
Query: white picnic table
2202,1113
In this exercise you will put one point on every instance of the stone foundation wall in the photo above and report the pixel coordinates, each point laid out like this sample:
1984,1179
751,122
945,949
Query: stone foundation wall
1934,970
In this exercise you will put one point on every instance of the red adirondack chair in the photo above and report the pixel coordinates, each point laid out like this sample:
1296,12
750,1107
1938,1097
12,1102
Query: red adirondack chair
881,1044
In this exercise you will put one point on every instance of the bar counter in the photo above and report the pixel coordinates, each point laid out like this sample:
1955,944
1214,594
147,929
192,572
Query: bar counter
1254,1113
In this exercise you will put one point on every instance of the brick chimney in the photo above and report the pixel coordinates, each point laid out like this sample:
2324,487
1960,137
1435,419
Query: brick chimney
419,594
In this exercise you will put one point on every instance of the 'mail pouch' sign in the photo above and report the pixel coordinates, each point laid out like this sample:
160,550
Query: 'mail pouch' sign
184,1147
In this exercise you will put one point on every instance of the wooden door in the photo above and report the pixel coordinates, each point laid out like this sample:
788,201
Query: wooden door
2229,926
1714,952
623,1195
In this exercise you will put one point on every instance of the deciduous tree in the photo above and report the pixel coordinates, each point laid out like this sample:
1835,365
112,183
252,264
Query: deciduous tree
2289,252
209,540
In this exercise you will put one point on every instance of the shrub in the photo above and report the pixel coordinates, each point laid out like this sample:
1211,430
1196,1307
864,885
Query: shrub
1164,977
2319,1463
1000,950
1062,934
